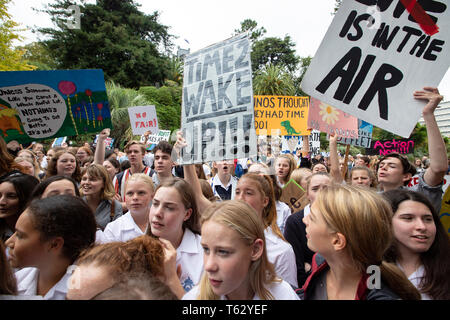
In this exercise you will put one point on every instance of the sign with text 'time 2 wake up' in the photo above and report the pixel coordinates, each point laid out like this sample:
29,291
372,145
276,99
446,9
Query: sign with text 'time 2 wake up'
375,54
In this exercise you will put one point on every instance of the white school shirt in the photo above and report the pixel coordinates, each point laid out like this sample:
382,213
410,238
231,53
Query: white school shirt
190,257
307,210
283,212
282,256
121,229
27,280
415,278
232,183
279,290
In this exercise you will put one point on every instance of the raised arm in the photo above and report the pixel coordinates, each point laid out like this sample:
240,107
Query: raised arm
436,146
99,155
335,171
191,177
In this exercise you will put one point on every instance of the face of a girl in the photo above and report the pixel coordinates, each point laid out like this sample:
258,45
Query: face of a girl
25,246
112,171
29,169
91,185
319,168
318,234
247,190
168,213
226,259
59,187
26,155
282,167
317,183
66,165
361,178
9,200
138,196
414,227
81,155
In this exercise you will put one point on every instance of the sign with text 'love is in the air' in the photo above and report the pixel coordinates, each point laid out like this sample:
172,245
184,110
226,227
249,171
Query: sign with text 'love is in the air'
38,105
217,111
375,54
281,114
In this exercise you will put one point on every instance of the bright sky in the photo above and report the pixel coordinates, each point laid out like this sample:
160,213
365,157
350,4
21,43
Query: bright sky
204,22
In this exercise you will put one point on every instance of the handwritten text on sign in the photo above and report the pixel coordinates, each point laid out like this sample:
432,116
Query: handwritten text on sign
364,136
374,55
384,147
289,115
217,110
143,119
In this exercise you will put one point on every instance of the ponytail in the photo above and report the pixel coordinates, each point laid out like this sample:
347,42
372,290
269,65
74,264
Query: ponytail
395,279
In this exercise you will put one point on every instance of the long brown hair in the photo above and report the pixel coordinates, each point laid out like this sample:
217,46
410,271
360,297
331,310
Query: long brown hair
8,283
99,172
364,218
51,170
436,261
6,159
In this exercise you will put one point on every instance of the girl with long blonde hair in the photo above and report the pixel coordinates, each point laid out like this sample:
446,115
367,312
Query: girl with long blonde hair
235,260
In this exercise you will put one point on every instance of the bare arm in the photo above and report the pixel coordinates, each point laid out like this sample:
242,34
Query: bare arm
335,172
99,155
436,146
191,177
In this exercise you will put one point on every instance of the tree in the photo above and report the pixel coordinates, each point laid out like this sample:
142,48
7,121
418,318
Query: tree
273,80
249,25
114,36
10,59
37,54
275,51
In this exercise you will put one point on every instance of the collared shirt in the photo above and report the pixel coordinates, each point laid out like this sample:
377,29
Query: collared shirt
190,257
232,183
27,281
279,290
416,278
122,229
283,212
282,256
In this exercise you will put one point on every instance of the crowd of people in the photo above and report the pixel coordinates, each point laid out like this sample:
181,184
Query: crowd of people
92,223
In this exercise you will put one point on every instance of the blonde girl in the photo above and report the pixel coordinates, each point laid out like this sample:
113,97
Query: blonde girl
350,229
139,193
284,165
235,258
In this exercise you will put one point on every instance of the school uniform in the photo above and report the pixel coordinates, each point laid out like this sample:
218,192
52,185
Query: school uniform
27,281
282,256
224,192
190,257
122,229
120,180
283,212
279,290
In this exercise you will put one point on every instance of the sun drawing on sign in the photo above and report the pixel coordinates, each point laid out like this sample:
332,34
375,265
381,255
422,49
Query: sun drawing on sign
329,114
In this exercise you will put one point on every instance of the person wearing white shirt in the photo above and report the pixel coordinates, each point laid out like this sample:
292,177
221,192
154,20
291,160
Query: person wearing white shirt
236,266
138,196
50,234
174,217
224,184
283,212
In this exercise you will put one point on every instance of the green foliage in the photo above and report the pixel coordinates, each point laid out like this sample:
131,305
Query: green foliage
115,37
273,80
249,25
275,51
36,54
11,59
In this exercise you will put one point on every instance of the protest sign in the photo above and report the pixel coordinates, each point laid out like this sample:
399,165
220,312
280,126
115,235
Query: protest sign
290,144
156,138
142,119
383,147
326,118
37,105
375,54
109,142
289,114
364,136
217,117
292,192
58,141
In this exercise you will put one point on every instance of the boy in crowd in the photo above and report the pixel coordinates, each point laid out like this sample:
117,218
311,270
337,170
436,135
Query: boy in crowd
223,183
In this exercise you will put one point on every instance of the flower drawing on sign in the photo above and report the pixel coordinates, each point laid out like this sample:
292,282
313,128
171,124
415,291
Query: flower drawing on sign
329,114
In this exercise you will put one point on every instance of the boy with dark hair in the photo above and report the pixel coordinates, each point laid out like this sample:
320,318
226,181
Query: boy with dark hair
163,162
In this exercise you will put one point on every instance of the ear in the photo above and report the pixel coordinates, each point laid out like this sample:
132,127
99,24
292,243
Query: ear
407,177
339,242
56,244
188,214
257,249
265,201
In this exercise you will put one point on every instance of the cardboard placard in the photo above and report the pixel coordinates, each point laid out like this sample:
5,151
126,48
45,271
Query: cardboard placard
291,194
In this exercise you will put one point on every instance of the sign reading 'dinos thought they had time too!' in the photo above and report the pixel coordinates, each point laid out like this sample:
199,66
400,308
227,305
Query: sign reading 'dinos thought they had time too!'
375,54
37,105
217,112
